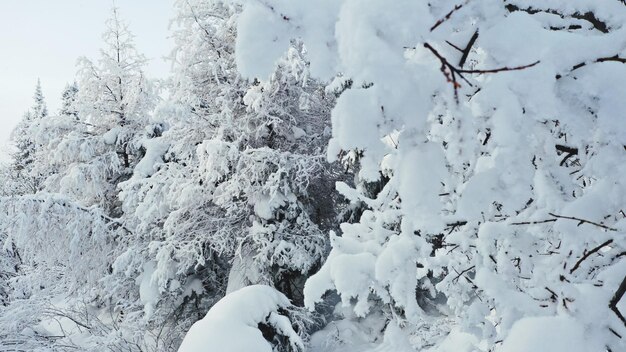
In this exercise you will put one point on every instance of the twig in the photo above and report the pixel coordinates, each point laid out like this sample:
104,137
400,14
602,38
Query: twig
462,272
533,222
621,290
587,16
588,254
583,221
565,149
614,333
501,69
454,46
453,248
448,15
448,70
553,295
614,58
451,72
468,48
456,225
206,31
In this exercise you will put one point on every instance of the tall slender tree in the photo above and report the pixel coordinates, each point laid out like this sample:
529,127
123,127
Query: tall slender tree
39,109
23,138
114,101
69,100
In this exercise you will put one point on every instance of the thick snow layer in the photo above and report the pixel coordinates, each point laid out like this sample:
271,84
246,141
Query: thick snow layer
554,334
457,341
232,324
261,16
111,136
422,173
155,148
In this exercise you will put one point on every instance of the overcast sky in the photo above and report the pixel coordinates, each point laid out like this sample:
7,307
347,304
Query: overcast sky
43,38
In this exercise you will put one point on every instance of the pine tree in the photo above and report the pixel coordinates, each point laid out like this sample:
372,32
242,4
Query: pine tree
24,139
39,109
68,100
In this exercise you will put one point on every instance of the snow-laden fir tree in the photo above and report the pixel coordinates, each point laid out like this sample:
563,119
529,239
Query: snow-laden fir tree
25,145
236,191
39,109
499,147
68,100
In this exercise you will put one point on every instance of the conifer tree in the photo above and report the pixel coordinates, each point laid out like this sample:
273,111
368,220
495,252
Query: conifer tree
23,137
39,109
68,100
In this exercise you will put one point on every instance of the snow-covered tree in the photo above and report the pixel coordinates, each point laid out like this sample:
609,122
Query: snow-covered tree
144,221
70,232
236,190
499,160
68,100
39,109
9,258
114,102
25,145
450,173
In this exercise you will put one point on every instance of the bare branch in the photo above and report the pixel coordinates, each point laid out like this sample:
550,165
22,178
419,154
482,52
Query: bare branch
614,58
533,222
566,149
587,16
448,70
206,31
448,15
570,151
500,69
454,46
451,72
588,254
583,221
621,290
468,48
462,272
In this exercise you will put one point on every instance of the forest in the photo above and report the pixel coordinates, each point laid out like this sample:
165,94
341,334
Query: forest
328,176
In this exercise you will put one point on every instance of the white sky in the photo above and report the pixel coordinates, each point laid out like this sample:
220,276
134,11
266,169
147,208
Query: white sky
43,38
